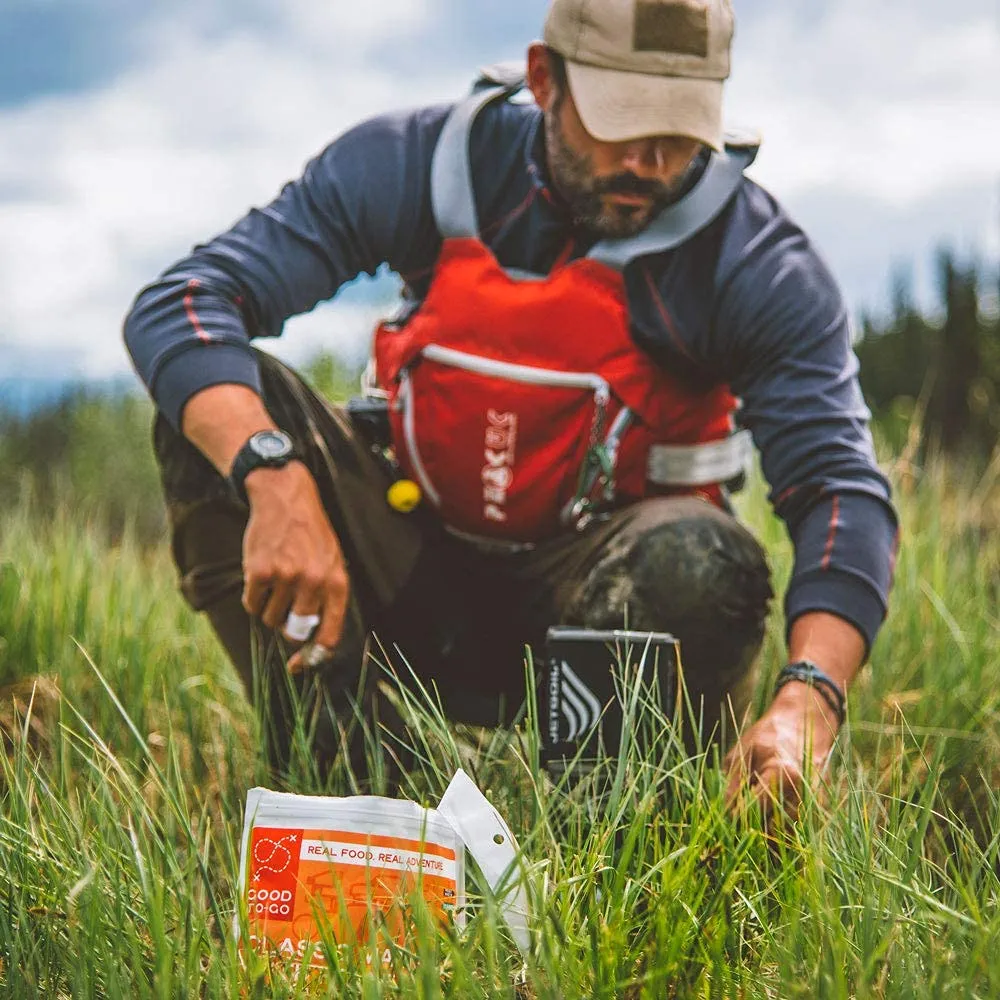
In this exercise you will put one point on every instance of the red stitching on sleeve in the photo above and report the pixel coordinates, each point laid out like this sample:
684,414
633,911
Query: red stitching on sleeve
495,227
192,316
790,492
564,255
834,524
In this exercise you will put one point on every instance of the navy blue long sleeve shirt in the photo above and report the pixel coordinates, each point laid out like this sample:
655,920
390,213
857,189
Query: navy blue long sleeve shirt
746,302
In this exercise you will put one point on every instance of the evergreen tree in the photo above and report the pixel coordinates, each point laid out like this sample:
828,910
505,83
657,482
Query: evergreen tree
953,367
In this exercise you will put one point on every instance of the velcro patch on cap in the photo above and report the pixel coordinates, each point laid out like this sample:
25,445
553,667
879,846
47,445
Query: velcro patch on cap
671,26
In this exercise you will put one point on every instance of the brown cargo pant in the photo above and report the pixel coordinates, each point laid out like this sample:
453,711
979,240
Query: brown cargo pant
460,617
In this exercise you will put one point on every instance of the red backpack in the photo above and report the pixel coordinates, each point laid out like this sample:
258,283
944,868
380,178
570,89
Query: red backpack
521,403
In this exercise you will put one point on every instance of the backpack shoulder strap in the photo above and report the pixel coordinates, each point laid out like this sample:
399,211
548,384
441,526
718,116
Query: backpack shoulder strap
677,223
510,75
452,196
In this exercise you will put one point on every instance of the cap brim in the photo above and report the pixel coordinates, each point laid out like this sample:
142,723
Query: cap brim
617,106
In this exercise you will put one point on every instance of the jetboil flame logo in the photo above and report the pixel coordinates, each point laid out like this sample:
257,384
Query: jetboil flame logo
498,472
572,700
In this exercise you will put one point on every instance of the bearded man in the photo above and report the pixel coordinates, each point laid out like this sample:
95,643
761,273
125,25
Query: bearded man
597,300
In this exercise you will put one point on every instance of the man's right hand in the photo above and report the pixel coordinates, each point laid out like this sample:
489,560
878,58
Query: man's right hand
292,561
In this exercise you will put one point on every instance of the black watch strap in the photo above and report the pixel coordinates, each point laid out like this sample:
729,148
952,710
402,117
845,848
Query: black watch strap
265,449
806,672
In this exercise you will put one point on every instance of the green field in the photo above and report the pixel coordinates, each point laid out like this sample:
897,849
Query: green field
129,747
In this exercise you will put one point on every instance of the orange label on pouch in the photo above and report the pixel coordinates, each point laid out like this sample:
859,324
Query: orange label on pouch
301,880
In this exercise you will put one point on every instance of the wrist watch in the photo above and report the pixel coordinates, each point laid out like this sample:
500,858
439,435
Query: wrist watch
265,449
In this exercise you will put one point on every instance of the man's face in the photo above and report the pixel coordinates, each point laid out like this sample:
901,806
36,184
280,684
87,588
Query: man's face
615,189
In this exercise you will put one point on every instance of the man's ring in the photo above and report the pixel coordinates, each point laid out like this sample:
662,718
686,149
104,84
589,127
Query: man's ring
298,628
314,654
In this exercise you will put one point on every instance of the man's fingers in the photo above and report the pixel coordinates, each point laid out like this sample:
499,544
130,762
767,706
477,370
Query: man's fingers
310,656
280,600
298,627
255,590
331,627
737,769
293,565
769,781
305,616
779,786
822,786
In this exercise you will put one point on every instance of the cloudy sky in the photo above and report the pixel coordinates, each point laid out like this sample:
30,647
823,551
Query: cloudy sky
130,131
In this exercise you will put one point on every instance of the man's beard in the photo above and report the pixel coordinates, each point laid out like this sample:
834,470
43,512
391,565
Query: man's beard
573,176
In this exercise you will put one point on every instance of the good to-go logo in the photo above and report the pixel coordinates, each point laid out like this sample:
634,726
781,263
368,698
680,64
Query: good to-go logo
275,903
274,867
273,855
498,472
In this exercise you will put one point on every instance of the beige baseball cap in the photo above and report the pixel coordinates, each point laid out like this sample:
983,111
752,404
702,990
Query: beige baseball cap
642,68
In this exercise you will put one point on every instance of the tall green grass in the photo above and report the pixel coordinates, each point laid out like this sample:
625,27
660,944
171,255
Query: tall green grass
128,748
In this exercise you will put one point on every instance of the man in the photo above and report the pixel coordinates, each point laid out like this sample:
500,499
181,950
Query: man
627,113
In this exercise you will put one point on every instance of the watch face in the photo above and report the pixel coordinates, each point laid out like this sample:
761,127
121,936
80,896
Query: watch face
271,444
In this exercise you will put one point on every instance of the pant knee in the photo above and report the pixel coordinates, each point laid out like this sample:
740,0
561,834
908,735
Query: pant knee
708,569
703,578
692,568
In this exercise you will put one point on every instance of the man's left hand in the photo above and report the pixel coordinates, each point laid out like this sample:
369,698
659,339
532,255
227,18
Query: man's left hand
789,746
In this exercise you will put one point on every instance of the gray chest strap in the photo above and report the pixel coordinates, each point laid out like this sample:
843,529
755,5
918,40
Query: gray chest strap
452,196
454,202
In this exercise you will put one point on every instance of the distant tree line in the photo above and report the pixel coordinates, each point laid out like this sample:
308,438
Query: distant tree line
89,455
942,372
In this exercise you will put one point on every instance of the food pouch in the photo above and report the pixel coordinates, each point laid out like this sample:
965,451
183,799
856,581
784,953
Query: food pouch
352,865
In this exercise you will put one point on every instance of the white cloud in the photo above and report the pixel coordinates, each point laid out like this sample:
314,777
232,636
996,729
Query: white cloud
889,100
111,186
881,130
